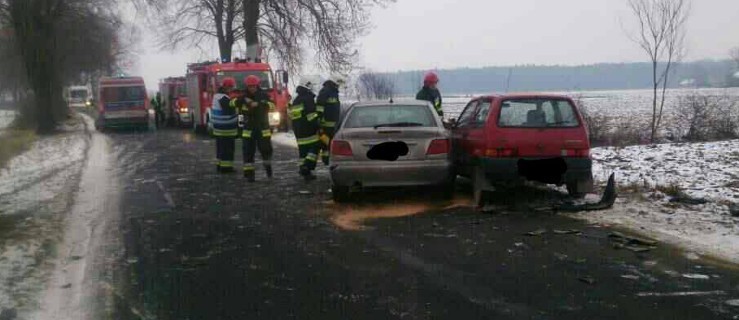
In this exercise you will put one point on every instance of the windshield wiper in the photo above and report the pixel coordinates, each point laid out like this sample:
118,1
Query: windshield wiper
400,124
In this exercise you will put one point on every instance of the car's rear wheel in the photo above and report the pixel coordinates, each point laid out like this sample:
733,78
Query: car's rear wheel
339,194
480,195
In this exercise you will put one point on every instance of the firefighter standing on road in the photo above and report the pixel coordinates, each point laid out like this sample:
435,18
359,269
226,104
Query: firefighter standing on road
255,106
329,110
304,118
158,105
225,128
430,92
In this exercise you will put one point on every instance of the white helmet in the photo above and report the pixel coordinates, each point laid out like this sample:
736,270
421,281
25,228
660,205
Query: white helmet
308,83
336,78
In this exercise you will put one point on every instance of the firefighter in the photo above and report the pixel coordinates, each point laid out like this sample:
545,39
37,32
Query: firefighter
225,128
158,105
304,118
329,110
254,106
430,92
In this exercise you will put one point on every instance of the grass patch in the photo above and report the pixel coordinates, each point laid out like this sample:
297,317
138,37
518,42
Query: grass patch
13,142
672,190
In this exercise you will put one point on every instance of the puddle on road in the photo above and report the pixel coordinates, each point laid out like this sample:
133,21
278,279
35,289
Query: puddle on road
352,216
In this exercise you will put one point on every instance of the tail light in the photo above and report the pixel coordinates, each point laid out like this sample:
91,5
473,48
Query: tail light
341,148
438,146
576,153
502,152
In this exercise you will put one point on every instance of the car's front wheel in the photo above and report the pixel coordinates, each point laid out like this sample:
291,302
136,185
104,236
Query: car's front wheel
575,189
480,194
339,194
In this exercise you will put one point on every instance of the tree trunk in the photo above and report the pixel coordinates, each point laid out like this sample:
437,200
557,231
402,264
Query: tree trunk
655,86
251,18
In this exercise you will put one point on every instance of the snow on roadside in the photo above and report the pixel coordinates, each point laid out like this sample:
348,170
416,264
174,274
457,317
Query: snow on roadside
700,170
35,191
6,118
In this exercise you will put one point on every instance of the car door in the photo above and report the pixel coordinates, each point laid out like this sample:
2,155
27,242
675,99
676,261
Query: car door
460,133
476,143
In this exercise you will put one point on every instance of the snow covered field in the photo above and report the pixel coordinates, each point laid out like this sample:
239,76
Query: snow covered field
656,174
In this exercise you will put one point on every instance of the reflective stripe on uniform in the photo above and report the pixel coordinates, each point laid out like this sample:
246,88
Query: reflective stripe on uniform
332,100
328,124
266,133
249,167
320,108
308,140
311,157
271,106
225,133
226,164
296,112
312,116
246,134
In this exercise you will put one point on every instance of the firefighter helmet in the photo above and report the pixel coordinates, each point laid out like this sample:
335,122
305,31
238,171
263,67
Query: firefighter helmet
252,81
308,83
228,82
430,78
337,79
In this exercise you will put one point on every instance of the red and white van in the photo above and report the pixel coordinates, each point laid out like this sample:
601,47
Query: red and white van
123,103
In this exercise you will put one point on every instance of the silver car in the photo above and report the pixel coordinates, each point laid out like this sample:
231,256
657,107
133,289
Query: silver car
390,144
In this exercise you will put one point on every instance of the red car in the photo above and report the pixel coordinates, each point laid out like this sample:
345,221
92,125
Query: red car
501,139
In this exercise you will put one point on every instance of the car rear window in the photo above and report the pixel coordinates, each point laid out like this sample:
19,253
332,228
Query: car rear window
537,113
390,116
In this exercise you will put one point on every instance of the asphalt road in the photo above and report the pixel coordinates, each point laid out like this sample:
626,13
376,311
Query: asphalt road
199,245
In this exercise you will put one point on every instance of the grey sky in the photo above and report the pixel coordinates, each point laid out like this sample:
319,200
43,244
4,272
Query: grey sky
425,34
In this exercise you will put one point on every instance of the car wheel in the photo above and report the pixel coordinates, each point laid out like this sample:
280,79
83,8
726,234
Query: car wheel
340,194
479,194
574,190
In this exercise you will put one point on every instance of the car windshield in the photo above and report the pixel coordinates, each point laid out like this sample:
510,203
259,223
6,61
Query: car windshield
265,76
537,113
390,116
124,94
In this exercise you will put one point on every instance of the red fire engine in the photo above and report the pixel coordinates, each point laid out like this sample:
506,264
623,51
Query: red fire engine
175,98
204,78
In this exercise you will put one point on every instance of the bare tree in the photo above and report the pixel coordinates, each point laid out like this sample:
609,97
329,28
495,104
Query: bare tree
375,86
660,33
286,27
197,22
55,42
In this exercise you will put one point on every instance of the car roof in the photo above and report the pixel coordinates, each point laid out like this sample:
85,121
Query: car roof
524,95
405,102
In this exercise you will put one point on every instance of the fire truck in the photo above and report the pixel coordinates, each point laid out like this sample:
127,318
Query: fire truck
175,99
203,80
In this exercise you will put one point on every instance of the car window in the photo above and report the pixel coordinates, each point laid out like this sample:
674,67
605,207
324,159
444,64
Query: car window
537,113
390,116
482,113
468,114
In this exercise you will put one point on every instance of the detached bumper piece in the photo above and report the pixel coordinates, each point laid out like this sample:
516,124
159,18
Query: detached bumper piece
606,201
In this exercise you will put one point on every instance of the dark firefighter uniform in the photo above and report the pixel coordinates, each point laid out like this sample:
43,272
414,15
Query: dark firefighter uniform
431,95
256,132
225,129
304,118
329,110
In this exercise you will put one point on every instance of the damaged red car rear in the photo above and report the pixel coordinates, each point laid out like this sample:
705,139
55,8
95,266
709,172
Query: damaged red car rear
504,139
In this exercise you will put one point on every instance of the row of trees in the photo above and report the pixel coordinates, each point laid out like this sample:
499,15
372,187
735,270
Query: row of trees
48,44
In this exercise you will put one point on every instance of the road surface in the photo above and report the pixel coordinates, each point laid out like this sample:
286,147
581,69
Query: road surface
193,244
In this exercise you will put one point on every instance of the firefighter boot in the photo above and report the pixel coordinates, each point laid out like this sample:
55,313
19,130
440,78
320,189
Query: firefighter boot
249,175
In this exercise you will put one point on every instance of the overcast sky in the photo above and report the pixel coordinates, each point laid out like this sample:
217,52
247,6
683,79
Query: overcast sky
427,34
